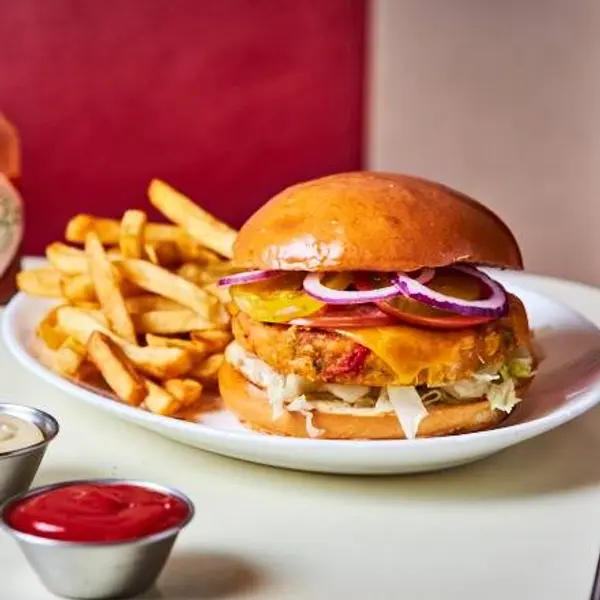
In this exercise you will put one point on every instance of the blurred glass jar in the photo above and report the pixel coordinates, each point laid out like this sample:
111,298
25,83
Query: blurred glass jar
11,209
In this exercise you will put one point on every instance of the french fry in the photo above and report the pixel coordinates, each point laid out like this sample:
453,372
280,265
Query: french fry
131,242
186,391
49,332
93,307
162,363
197,350
44,281
116,369
190,250
160,281
215,339
88,374
201,225
109,230
69,357
67,259
163,253
219,292
78,288
159,401
194,273
169,321
206,372
107,289
150,302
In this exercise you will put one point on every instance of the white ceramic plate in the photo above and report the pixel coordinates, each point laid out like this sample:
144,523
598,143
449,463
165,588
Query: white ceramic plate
567,385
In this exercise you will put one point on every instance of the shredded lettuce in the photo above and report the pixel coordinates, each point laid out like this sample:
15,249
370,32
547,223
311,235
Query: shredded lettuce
300,404
408,406
520,368
502,396
347,393
467,389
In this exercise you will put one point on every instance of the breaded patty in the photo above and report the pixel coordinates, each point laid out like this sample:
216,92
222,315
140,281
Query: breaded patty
432,357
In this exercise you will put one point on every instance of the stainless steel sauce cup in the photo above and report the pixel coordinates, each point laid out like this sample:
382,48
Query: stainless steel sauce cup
18,468
98,569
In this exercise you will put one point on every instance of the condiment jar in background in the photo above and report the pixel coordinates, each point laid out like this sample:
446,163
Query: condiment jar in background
11,209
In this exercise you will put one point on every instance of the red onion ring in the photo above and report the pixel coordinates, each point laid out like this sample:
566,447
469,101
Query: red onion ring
247,277
313,287
426,275
494,306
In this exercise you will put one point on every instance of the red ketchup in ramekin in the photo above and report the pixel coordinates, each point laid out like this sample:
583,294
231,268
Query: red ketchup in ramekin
97,512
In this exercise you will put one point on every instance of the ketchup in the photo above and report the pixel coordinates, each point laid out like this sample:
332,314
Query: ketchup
96,512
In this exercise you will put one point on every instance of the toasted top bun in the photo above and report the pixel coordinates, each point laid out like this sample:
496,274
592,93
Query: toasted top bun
376,222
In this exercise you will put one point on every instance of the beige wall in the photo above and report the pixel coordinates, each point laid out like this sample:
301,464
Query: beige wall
502,100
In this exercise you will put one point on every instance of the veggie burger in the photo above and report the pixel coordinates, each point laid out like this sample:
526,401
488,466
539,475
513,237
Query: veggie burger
360,312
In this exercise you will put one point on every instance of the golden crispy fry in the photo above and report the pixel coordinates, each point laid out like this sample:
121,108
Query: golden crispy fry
72,261
78,288
164,253
159,400
206,371
190,250
186,391
49,332
219,292
160,281
69,357
80,283
215,339
194,273
107,290
221,269
197,350
150,302
169,321
133,225
116,369
88,373
202,226
162,363
44,281
93,307
67,259
109,230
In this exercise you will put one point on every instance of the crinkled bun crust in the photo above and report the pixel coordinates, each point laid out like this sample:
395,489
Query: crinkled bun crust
376,222
249,403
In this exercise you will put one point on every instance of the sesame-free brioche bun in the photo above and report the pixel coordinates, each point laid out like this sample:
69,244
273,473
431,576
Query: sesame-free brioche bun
249,403
373,222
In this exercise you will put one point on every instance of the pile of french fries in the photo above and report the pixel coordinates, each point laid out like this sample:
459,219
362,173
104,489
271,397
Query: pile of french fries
138,310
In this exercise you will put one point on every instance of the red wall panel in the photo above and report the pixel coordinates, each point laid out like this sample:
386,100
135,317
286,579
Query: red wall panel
228,100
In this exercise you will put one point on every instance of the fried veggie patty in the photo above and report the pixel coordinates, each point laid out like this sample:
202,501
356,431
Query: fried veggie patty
435,357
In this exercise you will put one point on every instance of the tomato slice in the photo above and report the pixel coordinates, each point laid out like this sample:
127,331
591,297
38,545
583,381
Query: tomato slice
358,315
447,281
281,299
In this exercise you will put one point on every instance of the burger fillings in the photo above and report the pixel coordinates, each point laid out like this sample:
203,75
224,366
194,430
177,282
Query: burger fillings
379,325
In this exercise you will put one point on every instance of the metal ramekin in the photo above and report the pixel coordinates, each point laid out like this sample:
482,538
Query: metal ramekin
18,468
98,569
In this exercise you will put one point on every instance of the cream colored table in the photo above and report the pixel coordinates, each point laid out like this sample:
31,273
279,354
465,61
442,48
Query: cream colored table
524,524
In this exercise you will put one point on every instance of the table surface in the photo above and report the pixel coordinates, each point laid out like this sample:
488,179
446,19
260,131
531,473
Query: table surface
524,523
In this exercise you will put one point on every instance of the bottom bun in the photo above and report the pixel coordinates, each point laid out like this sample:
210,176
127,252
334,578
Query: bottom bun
249,403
